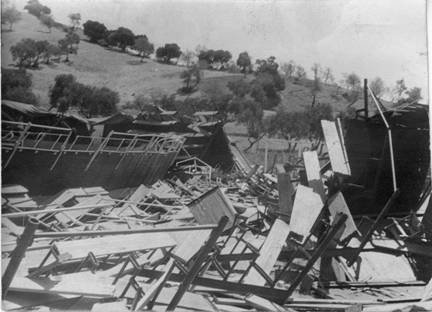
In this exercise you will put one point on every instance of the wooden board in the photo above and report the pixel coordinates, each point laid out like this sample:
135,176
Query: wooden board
262,304
307,207
337,156
285,190
312,166
269,252
337,204
115,244
82,283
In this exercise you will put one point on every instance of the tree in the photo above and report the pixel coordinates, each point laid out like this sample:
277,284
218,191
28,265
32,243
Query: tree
300,73
61,88
48,21
16,86
122,37
414,95
36,9
94,30
288,69
143,46
51,50
327,75
168,52
69,44
75,19
268,79
188,57
316,86
399,89
191,78
244,62
352,82
24,52
10,15
377,87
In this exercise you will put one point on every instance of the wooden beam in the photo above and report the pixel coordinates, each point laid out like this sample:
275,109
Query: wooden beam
285,190
337,204
334,146
312,166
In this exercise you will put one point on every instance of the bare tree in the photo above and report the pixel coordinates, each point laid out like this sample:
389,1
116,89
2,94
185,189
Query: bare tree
288,69
327,76
377,87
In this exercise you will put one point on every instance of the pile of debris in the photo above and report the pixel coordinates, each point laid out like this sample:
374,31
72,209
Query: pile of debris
259,241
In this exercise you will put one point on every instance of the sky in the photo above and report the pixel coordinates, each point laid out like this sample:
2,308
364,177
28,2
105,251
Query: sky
373,38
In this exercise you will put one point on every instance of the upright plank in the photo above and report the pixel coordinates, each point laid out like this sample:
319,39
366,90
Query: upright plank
269,252
286,190
337,156
307,207
337,204
312,166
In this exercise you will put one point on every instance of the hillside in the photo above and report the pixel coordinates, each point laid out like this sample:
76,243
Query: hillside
97,66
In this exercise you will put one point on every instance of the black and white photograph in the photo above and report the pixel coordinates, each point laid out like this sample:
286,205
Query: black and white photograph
220,156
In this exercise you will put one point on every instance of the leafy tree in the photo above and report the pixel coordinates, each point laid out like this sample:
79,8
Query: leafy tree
47,21
414,95
51,51
24,52
215,56
352,82
268,78
191,78
168,52
377,87
35,8
62,85
16,86
300,73
399,89
143,46
288,69
69,44
75,19
327,75
121,37
244,62
94,30
10,15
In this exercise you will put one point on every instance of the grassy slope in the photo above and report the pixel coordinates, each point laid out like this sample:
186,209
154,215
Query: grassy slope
97,66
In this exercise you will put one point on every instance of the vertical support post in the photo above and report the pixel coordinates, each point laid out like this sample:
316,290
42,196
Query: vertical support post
365,95
285,189
193,272
62,148
23,242
100,148
266,157
17,143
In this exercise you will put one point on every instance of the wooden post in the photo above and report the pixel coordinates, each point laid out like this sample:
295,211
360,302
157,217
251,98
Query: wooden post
365,95
23,242
374,226
285,189
193,272
266,157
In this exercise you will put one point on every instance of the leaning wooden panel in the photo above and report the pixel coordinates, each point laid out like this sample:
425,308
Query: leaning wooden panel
337,204
312,166
210,207
307,207
335,149
269,252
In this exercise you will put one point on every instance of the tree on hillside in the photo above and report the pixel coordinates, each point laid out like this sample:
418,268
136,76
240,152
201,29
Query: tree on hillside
212,57
75,19
414,95
35,8
399,90
244,62
47,21
327,76
377,87
143,46
268,78
121,37
353,84
94,30
168,52
288,69
188,57
51,51
316,85
24,52
16,86
10,15
299,73
191,78
60,89
69,44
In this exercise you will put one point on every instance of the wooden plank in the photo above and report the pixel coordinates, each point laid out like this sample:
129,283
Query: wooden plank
116,306
13,189
269,252
334,146
312,166
285,190
337,204
82,283
108,245
326,307
306,209
262,304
